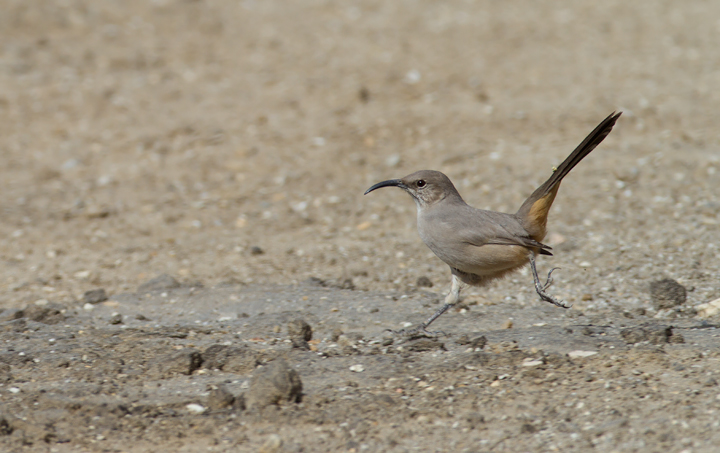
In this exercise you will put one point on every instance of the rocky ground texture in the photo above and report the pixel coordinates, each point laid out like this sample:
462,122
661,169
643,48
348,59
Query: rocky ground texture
187,262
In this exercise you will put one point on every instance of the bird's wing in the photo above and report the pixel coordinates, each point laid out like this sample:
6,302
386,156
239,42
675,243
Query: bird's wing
479,227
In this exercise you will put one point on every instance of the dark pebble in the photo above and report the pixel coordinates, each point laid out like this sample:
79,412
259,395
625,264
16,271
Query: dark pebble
95,296
160,283
424,282
220,398
5,428
475,342
48,314
116,319
474,419
232,359
424,344
335,335
667,293
315,281
633,335
300,333
347,284
181,362
349,341
676,338
364,94
478,342
463,339
255,250
276,383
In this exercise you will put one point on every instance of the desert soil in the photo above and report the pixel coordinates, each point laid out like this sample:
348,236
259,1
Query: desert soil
225,146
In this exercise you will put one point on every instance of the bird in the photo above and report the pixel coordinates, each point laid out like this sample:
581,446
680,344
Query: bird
481,245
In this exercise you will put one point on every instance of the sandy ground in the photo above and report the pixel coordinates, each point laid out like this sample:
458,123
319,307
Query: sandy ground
227,144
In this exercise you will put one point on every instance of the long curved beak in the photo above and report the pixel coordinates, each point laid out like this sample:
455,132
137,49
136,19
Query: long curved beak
388,183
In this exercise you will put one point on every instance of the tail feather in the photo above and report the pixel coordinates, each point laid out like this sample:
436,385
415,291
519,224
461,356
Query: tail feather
533,212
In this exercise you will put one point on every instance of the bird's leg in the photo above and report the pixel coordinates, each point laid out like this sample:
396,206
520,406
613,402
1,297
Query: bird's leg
450,300
540,289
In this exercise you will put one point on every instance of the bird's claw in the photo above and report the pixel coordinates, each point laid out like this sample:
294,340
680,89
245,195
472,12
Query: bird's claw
552,300
540,289
549,280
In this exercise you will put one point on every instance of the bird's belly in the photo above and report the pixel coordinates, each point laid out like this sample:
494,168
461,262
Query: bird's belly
489,260
493,259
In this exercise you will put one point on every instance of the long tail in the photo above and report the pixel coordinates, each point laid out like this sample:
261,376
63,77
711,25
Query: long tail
534,211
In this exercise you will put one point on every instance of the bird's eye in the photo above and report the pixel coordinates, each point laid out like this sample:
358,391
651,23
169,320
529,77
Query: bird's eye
420,183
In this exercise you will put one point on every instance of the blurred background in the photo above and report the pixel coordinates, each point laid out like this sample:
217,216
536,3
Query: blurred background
225,141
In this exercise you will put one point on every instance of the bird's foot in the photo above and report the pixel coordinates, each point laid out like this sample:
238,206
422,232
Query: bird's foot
548,298
540,289
549,280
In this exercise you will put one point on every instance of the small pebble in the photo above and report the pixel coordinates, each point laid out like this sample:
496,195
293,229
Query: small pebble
667,293
357,368
300,332
95,296
347,284
532,362
273,444
194,408
116,318
412,77
335,335
300,328
160,283
478,342
220,398
275,383
424,282
392,160
580,354
81,274
709,309
364,94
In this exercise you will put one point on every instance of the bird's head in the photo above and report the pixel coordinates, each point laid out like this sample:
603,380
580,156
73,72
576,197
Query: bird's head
427,187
